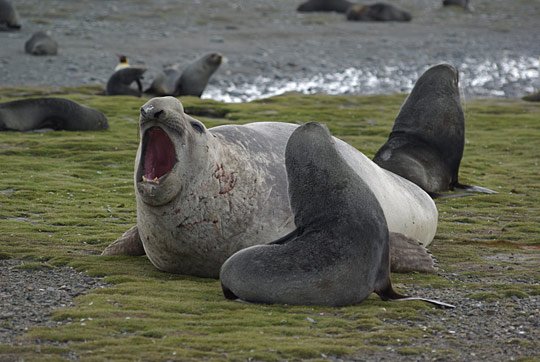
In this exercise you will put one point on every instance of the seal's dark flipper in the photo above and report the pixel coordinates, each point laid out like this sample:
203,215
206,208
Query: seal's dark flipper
285,239
390,294
228,293
472,188
128,244
408,255
469,190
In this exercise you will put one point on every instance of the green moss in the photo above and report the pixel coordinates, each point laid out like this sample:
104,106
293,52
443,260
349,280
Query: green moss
66,195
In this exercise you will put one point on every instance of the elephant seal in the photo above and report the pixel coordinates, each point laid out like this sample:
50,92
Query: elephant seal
377,12
339,6
191,82
339,252
203,194
50,113
120,82
9,18
41,44
427,140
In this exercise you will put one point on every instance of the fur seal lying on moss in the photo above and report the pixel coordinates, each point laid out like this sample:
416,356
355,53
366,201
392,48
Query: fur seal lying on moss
203,194
427,140
50,113
339,252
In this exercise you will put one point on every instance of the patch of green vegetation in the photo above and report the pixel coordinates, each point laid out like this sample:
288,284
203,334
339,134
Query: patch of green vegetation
71,194
34,266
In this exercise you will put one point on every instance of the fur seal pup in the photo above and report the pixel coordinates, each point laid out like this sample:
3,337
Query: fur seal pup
377,12
203,194
339,252
41,43
50,113
427,140
339,6
9,18
191,82
120,82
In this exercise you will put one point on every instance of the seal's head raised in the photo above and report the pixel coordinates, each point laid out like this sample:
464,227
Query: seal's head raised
169,139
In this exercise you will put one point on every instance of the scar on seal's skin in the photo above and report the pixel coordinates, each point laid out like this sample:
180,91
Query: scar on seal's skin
227,180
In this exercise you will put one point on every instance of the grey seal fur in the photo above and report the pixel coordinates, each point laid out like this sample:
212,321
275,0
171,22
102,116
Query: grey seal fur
203,194
9,18
339,252
50,113
427,139
339,6
190,82
121,80
41,43
377,12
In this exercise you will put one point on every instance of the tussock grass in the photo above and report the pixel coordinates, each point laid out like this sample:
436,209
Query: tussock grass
64,196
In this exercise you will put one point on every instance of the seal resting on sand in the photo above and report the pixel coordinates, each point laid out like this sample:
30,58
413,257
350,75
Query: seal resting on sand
191,82
41,44
377,12
427,140
339,6
9,18
339,252
203,194
49,113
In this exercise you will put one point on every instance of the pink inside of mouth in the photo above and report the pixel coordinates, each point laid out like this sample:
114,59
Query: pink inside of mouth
159,154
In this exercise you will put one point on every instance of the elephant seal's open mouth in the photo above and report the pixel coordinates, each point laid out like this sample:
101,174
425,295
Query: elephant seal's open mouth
158,157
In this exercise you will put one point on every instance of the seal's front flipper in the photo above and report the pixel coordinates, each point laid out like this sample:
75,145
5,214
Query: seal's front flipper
128,244
408,255
472,188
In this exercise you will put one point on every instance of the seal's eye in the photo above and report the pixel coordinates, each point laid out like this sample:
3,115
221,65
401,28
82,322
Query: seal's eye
197,127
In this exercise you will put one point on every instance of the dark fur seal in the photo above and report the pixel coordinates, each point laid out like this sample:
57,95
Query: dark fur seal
9,18
339,6
50,113
377,12
41,44
461,3
203,194
339,252
427,140
191,82
120,82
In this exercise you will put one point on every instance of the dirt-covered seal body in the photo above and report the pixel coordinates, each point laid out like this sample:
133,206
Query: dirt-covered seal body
427,140
204,194
50,113
41,43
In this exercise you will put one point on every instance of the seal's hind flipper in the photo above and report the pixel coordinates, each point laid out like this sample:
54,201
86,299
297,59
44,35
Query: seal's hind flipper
388,293
436,303
472,188
408,255
128,244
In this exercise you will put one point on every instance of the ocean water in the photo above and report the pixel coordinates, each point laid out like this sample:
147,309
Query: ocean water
509,77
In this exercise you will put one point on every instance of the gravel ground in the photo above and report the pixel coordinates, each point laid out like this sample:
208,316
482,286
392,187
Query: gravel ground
27,296
271,48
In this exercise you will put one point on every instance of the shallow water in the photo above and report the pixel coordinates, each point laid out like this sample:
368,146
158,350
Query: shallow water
510,76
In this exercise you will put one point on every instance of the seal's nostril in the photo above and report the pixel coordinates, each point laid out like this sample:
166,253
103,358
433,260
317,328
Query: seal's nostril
158,113
143,112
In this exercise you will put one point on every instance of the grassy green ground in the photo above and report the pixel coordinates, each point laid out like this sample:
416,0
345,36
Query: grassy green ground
64,196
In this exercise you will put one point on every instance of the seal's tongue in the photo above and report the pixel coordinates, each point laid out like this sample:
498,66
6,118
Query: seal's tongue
159,155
